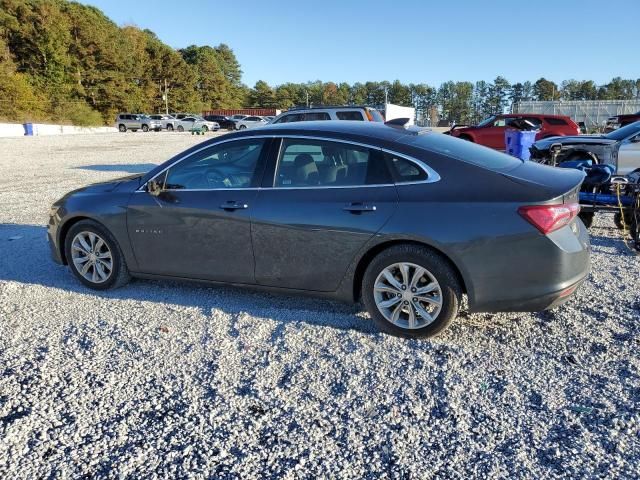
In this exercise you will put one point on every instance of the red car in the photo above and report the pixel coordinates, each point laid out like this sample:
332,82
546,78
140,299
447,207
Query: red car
490,132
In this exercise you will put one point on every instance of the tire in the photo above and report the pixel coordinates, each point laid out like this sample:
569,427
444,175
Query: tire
170,128
242,127
118,274
180,128
587,218
437,268
145,128
122,128
205,129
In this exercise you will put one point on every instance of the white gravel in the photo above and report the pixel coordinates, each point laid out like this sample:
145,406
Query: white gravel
160,380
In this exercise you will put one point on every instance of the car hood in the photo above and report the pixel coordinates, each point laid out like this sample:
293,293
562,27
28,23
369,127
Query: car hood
110,185
545,143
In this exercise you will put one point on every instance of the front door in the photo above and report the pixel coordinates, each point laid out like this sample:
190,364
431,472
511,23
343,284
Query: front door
199,226
328,199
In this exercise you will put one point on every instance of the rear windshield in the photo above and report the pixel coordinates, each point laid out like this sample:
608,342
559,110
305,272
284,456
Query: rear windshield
466,151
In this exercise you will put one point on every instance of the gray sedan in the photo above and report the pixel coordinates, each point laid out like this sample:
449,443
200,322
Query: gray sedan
405,220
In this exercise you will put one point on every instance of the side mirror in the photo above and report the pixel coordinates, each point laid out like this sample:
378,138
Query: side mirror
154,188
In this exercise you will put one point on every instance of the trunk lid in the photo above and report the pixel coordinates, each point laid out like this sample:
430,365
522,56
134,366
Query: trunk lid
555,182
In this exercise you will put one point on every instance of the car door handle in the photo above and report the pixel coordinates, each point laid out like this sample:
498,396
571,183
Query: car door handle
359,208
231,205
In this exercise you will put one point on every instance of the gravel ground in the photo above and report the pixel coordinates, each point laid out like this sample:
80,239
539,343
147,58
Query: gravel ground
159,379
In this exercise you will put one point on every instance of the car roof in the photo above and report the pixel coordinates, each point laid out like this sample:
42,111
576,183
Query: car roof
338,128
536,115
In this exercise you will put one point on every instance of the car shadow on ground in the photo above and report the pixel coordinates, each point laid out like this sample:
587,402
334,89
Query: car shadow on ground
121,167
25,258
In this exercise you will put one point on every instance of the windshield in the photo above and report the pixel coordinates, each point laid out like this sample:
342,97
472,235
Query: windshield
624,132
487,121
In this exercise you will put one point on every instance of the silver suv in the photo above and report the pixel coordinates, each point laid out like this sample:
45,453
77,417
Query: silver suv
135,122
305,114
167,121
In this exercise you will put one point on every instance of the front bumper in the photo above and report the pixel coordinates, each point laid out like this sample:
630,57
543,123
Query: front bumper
52,238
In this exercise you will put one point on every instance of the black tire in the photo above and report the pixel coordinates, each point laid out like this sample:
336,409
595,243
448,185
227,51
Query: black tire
122,128
205,129
119,274
441,270
145,128
242,127
180,128
170,127
587,218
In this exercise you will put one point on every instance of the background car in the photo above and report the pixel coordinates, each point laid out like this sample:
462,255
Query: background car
305,114
167,121
618,121
346,210
190,123
250,122
620,148
135,122
490,132
222,120
238,116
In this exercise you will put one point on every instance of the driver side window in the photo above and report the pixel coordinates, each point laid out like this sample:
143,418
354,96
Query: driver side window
226,165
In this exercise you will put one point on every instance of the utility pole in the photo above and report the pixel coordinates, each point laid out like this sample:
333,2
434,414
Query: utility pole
166,98
386,95
307,92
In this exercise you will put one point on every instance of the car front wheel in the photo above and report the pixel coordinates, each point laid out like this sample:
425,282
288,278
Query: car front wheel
180,128
411,291
95,257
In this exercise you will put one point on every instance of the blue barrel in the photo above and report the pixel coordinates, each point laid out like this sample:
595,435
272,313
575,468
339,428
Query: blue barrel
518,142
28,129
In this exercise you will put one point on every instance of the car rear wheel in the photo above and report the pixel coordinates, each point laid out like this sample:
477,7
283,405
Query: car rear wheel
205,128
122,128
411,291
95,257
242,127
180,128
145,128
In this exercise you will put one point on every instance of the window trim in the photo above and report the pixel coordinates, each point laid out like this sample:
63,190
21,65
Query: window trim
432,175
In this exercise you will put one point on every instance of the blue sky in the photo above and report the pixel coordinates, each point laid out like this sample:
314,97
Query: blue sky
412,41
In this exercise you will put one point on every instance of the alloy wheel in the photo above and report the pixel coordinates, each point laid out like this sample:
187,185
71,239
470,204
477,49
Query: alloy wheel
92,257
408,295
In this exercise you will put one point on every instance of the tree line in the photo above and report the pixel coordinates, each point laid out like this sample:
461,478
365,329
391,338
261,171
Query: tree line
67,62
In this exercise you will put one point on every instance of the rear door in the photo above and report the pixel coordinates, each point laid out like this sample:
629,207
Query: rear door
323,201
493,136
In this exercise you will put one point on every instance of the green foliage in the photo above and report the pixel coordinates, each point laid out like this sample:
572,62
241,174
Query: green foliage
65,61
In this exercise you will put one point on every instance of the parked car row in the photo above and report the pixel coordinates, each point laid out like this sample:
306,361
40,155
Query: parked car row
179,122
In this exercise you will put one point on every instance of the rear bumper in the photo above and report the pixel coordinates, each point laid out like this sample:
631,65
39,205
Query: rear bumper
542,274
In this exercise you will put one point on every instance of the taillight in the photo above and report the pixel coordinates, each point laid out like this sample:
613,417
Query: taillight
548,218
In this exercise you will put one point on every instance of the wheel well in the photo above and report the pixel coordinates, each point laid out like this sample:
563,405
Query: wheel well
371,254
467,137
63,235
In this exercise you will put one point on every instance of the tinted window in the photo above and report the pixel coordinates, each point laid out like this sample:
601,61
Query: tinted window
318,163
252,119
353,115
316,116
294,117
466,151
404,170
227,165
188,119
555,121
535,121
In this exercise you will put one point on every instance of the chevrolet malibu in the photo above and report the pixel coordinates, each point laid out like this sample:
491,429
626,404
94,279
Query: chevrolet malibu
404,220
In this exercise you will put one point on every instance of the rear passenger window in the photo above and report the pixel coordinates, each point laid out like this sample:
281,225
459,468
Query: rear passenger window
316,116
353,115
555,121
295,117
319,163
405,171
